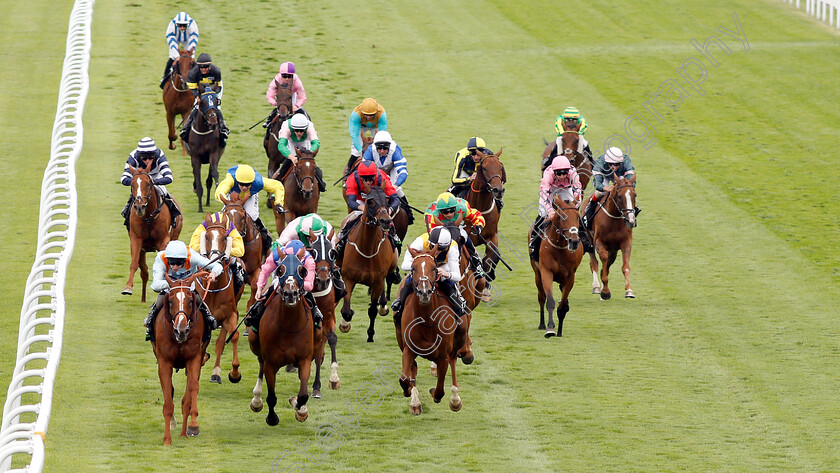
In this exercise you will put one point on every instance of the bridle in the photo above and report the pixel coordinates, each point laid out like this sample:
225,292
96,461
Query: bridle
207,110
300,180
244,218
217,254
181,310
424,279
488,185
625,212
177,70
566,233
322,254
142,201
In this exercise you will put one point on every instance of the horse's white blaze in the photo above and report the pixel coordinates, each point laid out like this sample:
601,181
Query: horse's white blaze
629,200
334,374
181,321
215,245
138,191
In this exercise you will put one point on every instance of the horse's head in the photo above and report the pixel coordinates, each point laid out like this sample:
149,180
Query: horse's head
570,142
424,274
325,255
183,64
564,222
284,100
305,175
182,307
491,174
291,273
142,188
376,209
215,237
623,194
209,106
235,211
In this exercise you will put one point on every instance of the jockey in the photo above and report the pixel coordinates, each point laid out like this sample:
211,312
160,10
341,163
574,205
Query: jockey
307,229
570,119
358,185
451,211
466,161
606,167
160,173
178,262
447,257
389,158
234,246
181,34
367,116
298,133
560,177
278,252
286,75
243,179
205,74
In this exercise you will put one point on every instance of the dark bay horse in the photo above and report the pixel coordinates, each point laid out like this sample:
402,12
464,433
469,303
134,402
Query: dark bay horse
203,144
612,230
285,337
177,98
178,330
368,258
283,112
560,254
571,148
488,185
324,254
429,328
221,298
254,251
149,226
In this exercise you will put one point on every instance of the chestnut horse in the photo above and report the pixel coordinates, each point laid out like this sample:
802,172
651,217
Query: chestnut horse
254,251
301,187
285,337
179,329
488,185
148,226
368,258
203,144
572,150
221,299
429,328
612,230
324,293
177,98
284,112
560,254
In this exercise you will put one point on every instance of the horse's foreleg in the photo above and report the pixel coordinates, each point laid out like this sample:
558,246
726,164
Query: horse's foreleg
607,259
346,310
136,248
547,279
191,396
144,274
165,375
540,297
625,268
455,400
270,373
199,191
299,402
170,121
235,375
256,402
438,391
593,266
216,377
563,308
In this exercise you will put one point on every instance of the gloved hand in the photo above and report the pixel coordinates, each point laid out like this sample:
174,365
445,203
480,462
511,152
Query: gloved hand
478,229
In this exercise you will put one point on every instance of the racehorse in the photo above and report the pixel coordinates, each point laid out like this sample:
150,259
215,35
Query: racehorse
149,225
485,189
301,187
573,151
368,258
285,337
221,298
560,254
203,144
429,328
254,251
612,230
179,330
177,98
284,111
324,293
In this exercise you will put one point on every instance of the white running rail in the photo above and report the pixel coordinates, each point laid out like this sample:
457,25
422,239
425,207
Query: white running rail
826,10
26,413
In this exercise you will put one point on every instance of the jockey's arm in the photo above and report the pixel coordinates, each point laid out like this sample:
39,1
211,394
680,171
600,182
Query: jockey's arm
394,202
460,176
271,93
158,274
224,187
315,145
355,129
126,175
400,166
475,217
452,265
195,239
283,147
288,234
237,246
382,125
353,202
301,92
198,262
267,268
417,244
275,187
309,280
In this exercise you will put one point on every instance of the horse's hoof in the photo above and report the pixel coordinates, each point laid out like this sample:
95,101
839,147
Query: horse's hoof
335,384
596,290
344,326
127,291
370,339
455,405
541,327
234,380
206,357
468,359
432,392
216,379
256,407
605,296
629,294
302,414
415,410
433,370
192,431
550,333
316,394
290,368
272,419
383,310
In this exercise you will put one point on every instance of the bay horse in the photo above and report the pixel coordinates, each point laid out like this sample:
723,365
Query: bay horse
221,298
179,329
570,147
177,98
148,225
255,254
301,187
203,144
324,254
560,254
488,185
272,138
429,328
368,258
612,230
285,336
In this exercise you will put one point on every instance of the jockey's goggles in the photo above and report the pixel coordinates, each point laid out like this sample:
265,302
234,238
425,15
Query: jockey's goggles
145,156
367,178
613,164
286,76
176,261
204,66
383,145
245,184
450,210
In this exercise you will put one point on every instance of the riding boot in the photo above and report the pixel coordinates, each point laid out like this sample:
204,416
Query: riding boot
454,295
210,322
395,239
398,305
477,267
317,317
322,184
460,190
536,238
126,211
589,213
238,275
342,240
149,323
587,153
585,238
269,120
255,312
284,168
185,130
338,284
407,208
352,160
166,72
266,237
174,211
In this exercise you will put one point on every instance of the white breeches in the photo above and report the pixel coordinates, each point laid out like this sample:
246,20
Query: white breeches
252,206
304,145
162,190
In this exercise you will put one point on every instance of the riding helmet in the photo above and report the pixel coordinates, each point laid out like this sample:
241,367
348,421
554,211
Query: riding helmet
287,68
614,155
440,237
446,200
561,162
299,122
204,59
369,106
475,143
245,174
176,249
367,168
382,138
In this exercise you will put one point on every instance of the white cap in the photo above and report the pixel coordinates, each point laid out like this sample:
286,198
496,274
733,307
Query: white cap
440,236
382,137
614,155
146,145
299,122
176,249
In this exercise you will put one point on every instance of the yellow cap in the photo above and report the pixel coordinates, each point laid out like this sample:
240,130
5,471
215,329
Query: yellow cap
245,174
369,106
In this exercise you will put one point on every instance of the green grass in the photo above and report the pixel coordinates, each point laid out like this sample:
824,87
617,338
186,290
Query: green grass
725,361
